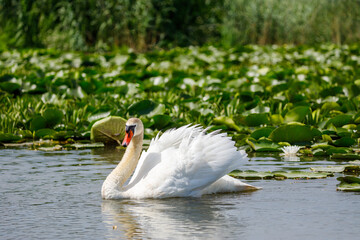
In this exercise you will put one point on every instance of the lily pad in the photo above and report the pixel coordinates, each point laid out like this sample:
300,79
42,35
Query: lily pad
349,184
9,137
332,169
279,175
85,145
251,175
340,120
227,121
109,130
264,146
46,133
262,132
345,142
161,121
345,157
293,134
297,114
349,187
52,116
10,87
144,107
38,122
53,148
256,119
347,169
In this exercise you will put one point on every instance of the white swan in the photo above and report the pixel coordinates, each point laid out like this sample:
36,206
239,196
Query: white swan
183,162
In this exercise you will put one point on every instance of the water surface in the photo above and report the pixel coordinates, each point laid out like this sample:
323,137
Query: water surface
56,195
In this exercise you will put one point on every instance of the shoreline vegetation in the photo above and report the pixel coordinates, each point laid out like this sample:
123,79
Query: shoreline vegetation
147,25
264,97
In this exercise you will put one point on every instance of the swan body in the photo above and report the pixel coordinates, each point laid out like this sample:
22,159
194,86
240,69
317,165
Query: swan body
183,162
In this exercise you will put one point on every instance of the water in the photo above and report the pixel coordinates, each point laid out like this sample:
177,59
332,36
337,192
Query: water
56,195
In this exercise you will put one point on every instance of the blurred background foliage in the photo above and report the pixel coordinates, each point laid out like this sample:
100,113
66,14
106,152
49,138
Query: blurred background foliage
148,24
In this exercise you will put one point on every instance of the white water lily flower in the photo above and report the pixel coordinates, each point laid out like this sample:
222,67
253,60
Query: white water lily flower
290,151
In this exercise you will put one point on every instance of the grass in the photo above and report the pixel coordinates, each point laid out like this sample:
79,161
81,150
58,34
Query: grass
144,25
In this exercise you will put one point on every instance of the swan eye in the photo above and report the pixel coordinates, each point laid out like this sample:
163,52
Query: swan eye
129,128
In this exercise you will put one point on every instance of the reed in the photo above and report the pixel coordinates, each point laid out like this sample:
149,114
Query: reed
144,24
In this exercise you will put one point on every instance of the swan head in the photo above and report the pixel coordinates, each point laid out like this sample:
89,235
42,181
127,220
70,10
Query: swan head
134,127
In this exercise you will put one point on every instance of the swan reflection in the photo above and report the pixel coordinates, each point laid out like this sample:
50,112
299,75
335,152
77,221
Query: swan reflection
176,218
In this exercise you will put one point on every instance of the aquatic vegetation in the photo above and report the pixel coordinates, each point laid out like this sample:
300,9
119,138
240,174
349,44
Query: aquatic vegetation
349,184
279,175
264,97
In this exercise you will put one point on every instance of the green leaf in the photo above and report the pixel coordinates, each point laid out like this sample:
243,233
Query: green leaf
347,169
264,146
52,116
98,116
349,183
345,157
256,119
340,120
85,145
278,175
145,107
45,133
109,130
262,132
332,169
161,121
297,114
227,121
10,87
349,187
37,122
293,134
328,106
9,137
344,142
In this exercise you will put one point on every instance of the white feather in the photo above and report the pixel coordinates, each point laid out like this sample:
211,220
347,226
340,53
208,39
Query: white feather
186,162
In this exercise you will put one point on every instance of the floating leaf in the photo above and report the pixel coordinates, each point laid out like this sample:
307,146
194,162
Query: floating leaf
98,116
344,142
347,169
45,133
328,106
109,130
293,134
9,137
264,146
332,169
251,175
349,183
257,119
349,187
10,87
334,150
146,107
345,157
276,119
54,148
262,132
297,114
340,120
278,175
161,121
85,145
52,116
227,121
38,122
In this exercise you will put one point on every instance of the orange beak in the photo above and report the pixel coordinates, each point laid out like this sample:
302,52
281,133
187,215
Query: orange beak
127,139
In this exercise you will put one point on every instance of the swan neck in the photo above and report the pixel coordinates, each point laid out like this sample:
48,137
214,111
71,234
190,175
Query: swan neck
127,165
